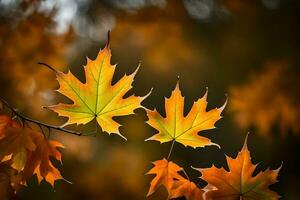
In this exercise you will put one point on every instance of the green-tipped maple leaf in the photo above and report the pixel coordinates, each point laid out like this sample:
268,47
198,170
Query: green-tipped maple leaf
97,98
238,182
184,129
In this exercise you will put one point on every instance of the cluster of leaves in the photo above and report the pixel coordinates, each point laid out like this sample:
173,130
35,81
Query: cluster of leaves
25,151
238,183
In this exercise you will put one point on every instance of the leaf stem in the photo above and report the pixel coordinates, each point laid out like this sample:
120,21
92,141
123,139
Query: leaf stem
171,149
187,176
24,119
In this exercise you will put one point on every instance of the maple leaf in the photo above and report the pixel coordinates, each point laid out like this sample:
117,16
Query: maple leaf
28,152
39,162
165,172
15,142
177,186
238,182
97,98
184,129
186,188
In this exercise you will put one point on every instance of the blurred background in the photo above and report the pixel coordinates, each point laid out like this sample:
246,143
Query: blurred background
245,49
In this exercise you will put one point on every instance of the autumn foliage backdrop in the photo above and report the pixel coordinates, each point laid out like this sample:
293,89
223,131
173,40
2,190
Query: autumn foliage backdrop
245,50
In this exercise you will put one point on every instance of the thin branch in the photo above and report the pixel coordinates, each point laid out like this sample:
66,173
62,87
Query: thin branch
171,149
48,66
49,126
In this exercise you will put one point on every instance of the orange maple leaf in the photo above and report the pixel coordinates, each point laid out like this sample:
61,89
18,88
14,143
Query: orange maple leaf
184,129
165,172
15,142
238,182
187,189
28,151
39,162
177,186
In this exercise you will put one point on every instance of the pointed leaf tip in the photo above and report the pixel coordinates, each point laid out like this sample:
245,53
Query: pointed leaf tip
224,105
206,93
215,144
177,83
147,95
136,70
245,147
122,136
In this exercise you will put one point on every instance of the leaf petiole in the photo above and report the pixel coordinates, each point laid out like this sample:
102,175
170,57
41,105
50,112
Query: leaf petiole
171,149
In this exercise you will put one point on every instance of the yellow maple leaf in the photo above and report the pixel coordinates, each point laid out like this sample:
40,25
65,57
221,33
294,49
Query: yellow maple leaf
238,182
184,129
97,97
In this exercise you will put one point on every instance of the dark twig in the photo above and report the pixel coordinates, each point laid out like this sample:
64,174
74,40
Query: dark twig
27,119
48,66
108,39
